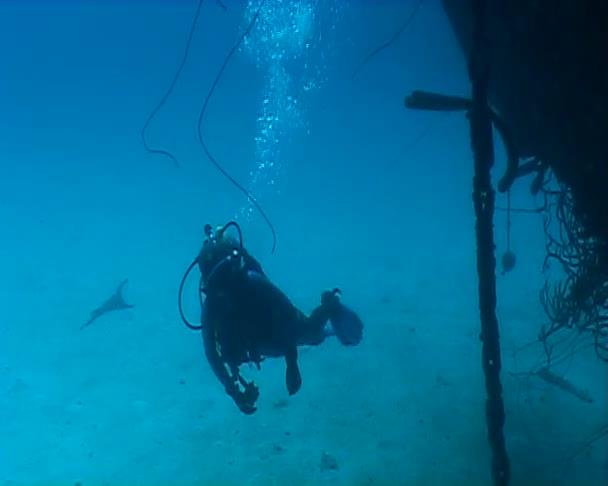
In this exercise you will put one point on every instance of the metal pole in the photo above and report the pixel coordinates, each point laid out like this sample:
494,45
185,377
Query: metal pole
483,199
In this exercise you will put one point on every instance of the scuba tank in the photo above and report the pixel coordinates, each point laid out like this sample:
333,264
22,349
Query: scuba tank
219,254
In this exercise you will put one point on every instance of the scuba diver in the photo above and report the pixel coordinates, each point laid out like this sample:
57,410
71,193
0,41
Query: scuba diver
246,318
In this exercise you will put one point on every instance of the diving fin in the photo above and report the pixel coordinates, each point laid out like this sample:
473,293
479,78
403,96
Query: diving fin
293,378
346,324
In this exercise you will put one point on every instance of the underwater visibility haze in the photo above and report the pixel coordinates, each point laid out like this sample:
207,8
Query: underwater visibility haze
240,247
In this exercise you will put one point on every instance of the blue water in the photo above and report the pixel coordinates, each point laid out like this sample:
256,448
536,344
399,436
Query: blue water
364,195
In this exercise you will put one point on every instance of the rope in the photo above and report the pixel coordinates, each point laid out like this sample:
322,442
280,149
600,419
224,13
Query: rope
483,199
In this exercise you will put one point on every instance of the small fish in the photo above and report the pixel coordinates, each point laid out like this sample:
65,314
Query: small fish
115,303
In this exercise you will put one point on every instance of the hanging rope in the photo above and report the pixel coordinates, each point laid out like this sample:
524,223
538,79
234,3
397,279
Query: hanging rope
483,199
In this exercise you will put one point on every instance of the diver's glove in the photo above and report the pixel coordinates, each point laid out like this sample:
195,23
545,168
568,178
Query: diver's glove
246,399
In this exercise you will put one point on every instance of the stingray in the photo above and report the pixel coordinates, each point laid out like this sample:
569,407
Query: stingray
115,303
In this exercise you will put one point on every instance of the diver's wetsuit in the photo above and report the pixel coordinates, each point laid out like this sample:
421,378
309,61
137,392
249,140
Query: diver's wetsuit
245,318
